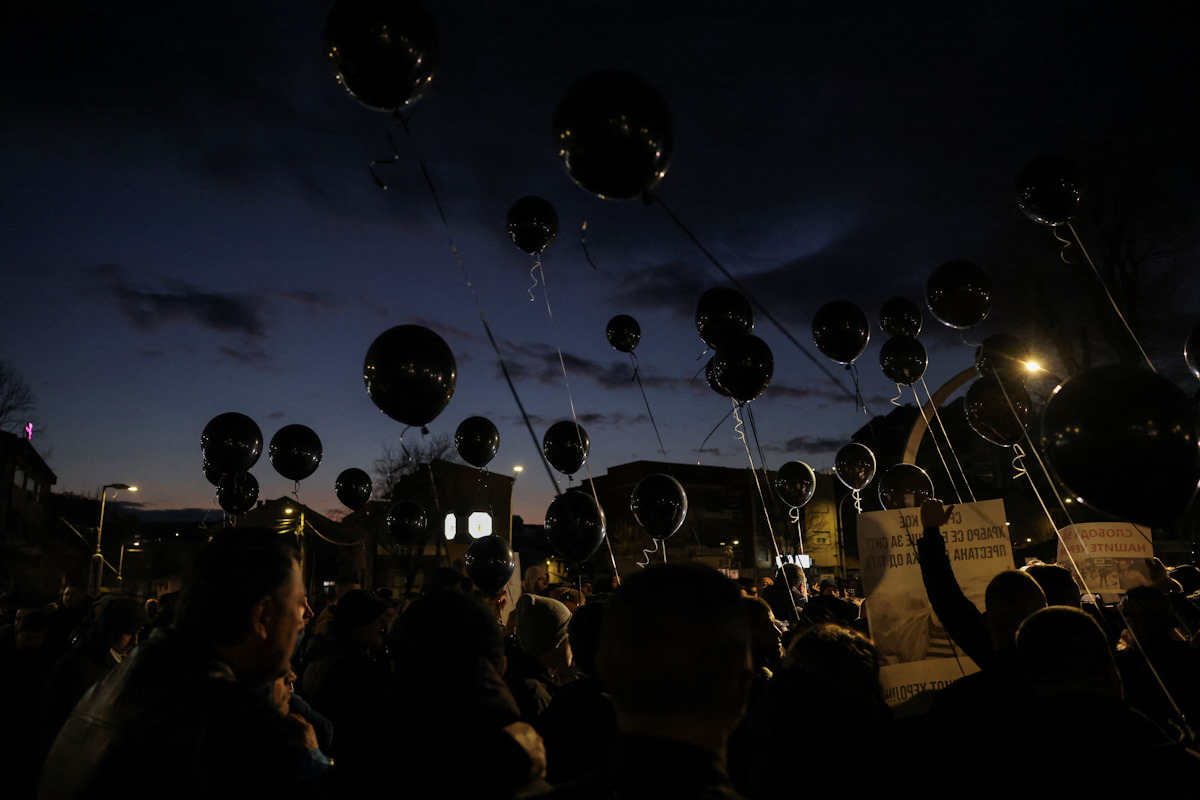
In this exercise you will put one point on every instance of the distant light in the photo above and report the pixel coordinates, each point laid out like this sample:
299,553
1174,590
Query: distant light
518,468
1029,540
736,542
1033,366
1078,499
1067,500
132,489
288,511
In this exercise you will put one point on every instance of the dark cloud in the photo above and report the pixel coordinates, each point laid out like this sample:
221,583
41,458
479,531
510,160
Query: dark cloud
808,445
251,356
181,303
276,415
674,284
313,301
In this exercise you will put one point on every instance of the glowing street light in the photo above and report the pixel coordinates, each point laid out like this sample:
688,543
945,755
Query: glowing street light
96,579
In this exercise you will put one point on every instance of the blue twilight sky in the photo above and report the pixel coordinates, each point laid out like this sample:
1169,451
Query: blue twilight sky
190,226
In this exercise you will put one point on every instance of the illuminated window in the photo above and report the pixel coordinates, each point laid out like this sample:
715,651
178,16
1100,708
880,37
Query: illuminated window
479,524
451,527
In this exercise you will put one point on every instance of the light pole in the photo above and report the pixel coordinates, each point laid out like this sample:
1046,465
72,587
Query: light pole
96,580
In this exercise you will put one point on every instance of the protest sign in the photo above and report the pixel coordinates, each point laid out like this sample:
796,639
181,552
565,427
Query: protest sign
1109,557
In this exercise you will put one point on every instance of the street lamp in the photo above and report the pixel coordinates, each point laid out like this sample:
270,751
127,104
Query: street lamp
96,580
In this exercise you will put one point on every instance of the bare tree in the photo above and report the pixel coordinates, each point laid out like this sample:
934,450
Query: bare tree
17,402
397,462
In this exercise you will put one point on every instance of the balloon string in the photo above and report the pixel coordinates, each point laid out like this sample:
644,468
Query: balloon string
537,265
899,394
379,181
742,288
717,427
1018,462
664,551
937,445
646,554
634,360
938,417
740,433
1111,299
859,401
537,446
296,490
1066,245
583,245
857,494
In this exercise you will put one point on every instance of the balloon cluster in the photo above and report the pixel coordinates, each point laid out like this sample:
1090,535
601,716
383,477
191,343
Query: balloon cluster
231,444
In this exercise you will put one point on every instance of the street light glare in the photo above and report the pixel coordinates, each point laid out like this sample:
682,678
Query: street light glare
1033,366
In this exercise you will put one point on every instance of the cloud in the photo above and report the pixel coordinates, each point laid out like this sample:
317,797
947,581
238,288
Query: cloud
181,303
251,356
675,285
811,445
313,301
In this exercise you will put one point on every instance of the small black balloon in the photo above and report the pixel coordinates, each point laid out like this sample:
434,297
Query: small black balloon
959,294
614,134
855,465
532,224
1004,356
623,333
1191,351
743,367
659,504
477,441
903,360
490,563
410,374
841,331
231,443
904,486
407,523
296,452
989,413
237,494
1048,190
796,483
566,446
383,51
900,317
1125,440
722,314
575,525
353,488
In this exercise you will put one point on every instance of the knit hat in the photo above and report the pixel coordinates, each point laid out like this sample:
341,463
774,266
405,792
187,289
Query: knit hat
542,625
357,607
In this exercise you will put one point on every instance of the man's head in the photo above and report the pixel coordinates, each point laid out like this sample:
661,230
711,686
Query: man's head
1010,598
792,575
74,596
1063,651
245,597
358,617
1057,584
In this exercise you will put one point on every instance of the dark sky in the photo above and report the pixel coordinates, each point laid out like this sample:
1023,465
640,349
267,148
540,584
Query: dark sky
190,226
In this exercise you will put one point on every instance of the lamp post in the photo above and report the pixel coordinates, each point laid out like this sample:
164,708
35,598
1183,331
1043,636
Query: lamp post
96,577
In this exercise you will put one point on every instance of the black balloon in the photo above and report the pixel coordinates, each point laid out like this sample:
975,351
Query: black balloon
614,134
490,563
1191,351
904,486
1126,441
566,446
407,523
855,465
623,333
743,367
959,294
841,331
990,415
900,317
212,475
659,505
231,443
795,483
532,224
410,374
353,488
722,314
1048,190
711,378
1004,356
575,525
296,452
903,360
237,494
477,441
383,51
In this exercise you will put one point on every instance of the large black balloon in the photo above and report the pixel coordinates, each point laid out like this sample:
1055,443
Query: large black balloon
623,333
490,563
855,465
477,441
959,294
212,475
904,486
711,378
566,446
1048,190
1125,440
575,525
1191,351
1004,356
903,360
231,443
721,314
532,224
841,331
353,488
296,452
990,415
743,367
795,483
237,494
383,51
900,317
659,504
410,374
614,134
407,523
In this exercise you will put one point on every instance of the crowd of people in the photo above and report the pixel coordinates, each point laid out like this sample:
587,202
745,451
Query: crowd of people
678,682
